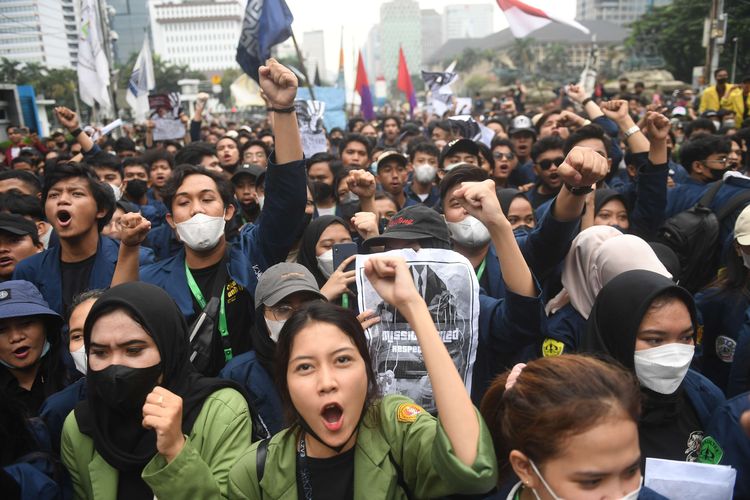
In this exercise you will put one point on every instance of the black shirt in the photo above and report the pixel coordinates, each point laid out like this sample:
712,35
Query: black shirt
75,279
669,427
331,478
240,315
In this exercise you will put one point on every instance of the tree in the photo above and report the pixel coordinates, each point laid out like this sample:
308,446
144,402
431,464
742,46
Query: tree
522,53
58,84
675,32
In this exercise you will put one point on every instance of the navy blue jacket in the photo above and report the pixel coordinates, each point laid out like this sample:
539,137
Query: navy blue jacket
567,326
506,328
163,242
56,408
726,429
723,315
739,373
247,371
432,200
43,270
703,395
257,247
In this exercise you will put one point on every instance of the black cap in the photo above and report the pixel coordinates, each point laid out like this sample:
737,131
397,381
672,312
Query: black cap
417,222
16,224
459,146
248,169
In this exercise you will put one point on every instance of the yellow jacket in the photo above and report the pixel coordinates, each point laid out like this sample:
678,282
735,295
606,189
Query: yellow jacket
732,101
710,98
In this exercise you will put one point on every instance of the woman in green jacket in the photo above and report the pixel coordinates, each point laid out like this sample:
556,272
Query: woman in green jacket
344,442
151,426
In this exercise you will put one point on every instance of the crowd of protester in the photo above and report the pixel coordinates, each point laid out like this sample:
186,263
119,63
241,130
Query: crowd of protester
172,324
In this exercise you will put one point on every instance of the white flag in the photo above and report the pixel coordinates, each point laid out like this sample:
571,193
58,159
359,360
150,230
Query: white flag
141,81
524,17
93,67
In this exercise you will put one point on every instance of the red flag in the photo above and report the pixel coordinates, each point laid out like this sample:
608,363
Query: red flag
524,18
404,81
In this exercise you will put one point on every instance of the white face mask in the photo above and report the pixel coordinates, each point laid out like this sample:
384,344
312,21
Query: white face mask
663,368
424,173
325,263
261,199
717,124
117,191
274,328
745,259
201,231
80,359
633,495
470,232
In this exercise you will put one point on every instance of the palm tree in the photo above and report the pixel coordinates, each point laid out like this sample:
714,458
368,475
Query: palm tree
10,71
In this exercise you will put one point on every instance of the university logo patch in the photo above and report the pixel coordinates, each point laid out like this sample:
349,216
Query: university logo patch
725,347
552,347
711,452
4,294
408,412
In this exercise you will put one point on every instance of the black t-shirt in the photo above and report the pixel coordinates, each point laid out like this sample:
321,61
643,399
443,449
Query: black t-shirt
670,428
538,198
331,478
240,315
75,279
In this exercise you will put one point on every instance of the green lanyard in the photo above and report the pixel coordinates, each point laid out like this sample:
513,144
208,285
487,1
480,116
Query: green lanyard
196,291
480,271
345,301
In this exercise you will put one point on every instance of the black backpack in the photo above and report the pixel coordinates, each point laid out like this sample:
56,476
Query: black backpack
694,236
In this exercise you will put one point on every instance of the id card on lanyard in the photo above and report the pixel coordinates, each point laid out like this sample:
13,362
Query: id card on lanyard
198,295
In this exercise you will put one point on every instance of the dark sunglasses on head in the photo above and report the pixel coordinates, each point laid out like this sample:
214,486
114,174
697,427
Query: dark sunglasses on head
547,164
499,156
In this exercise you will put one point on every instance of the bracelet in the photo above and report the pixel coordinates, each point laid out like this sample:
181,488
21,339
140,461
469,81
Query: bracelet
586,101
586,122
632,130
579,191
290,109
76,132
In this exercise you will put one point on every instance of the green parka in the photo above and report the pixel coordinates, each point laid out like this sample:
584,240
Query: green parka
220,435
415,441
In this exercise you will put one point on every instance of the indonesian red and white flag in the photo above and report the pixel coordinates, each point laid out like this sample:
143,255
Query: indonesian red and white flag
524,18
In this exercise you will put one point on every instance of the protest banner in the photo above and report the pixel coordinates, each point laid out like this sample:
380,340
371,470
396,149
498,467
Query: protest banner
165,113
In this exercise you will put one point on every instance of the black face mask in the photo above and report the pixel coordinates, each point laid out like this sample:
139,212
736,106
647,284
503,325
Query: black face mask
135,189
721,81
335,143
522,230
717,175
623,88
322,191
125,388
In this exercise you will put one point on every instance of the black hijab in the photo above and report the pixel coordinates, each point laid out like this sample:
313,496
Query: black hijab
263,344
603,196
118,436
506,196
310,238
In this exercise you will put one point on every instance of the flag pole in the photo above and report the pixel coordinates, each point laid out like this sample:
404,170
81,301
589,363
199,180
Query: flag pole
304,68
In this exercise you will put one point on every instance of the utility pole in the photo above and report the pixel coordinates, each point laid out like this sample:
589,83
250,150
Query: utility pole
716,26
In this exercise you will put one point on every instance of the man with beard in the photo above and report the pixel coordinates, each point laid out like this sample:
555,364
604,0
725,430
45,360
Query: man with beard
244,180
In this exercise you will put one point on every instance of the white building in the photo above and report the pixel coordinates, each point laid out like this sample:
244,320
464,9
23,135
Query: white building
400,26
202,34
468,21
314,52
40,31
432,31
622,12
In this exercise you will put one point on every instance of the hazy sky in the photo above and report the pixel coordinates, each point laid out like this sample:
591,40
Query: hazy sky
358,16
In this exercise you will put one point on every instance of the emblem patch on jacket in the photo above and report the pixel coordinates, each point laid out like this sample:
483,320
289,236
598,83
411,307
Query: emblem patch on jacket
408,412
552,347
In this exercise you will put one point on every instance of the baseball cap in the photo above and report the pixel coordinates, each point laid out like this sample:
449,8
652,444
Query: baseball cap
248,169
16,224
742,227
283,279
521,123
679,111
459,146
417,222
20,298
387,156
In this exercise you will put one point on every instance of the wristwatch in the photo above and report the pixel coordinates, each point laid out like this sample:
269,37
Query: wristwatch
579,190
632,130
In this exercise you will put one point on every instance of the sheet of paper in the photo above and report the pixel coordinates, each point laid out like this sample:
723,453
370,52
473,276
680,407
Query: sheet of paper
677,480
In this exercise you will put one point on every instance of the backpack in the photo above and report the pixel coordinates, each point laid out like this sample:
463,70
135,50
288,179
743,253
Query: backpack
694,236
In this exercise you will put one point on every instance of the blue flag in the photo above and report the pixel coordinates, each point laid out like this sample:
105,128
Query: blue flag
267,23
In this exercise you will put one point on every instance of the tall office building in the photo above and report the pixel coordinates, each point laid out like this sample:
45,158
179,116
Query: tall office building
621,12
40,31
131,24
400,26
432,32
468,20
202,34
314,52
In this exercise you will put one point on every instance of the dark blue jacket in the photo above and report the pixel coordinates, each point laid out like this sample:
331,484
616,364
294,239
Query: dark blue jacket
163,242
56,408
739,373
567,326
725,428
723,316
703,395
257,247
43,270
506,328
677,172
247,371
432,200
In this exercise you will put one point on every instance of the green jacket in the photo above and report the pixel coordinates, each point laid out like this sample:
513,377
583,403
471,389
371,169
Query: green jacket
220,435
418,444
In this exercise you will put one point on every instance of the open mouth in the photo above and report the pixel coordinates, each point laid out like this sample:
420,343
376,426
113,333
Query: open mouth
22,352
6,261
64,217
333,416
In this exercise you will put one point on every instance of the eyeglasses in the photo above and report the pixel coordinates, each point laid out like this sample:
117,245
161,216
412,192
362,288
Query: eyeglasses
723,160
499,156
547,163
283,312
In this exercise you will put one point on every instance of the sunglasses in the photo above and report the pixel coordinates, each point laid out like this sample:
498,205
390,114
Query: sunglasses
499,156
547,164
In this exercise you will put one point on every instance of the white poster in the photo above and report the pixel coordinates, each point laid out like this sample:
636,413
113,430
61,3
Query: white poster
447,282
